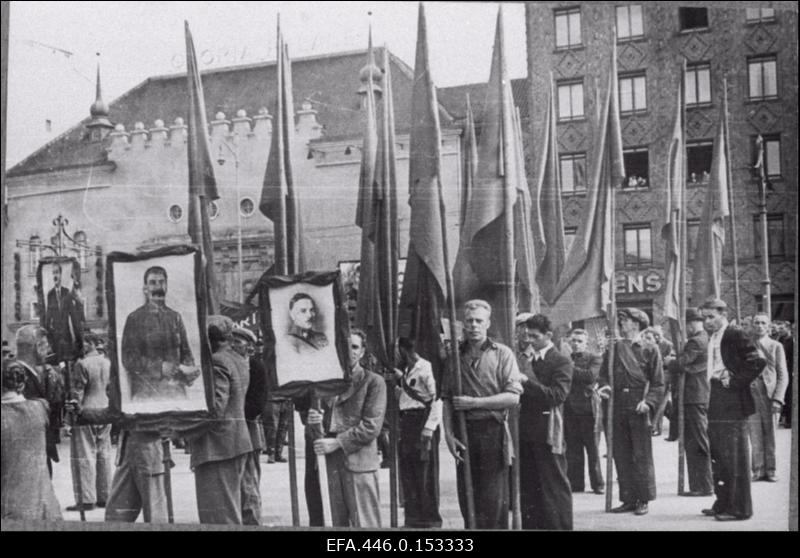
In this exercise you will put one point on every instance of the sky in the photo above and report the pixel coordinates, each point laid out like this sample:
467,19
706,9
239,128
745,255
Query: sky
53,47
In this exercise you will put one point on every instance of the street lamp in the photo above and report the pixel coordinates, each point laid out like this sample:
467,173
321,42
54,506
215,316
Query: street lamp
221,161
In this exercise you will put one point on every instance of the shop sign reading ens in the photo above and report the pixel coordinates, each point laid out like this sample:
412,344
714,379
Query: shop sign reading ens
638,283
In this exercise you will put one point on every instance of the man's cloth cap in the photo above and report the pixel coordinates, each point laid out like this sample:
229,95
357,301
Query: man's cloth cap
636,315
244,333
713,303
693,315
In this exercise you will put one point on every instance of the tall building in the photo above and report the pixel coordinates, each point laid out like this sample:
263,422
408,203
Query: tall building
755,49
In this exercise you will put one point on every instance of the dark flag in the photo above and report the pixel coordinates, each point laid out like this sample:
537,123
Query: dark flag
202,182
279,202
672,231
711,236
548,226
585,287
377,217
498,205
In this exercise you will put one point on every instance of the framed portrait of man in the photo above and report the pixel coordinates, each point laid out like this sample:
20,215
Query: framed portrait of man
305,325
160,357
61,311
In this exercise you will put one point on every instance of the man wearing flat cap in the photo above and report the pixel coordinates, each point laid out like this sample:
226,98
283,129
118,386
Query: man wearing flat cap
638,387
733,363
219,454
692,363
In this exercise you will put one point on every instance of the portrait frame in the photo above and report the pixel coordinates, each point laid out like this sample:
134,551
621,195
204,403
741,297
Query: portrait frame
44,285
272,289
167,415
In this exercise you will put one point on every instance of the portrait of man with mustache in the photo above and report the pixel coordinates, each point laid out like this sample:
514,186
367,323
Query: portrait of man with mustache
155,349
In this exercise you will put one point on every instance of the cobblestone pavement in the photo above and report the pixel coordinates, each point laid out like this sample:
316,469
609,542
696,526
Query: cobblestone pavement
669,512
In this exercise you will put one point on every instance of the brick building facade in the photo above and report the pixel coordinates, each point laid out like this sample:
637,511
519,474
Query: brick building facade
755,48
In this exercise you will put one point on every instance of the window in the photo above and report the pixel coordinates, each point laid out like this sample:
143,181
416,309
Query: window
175,213
632,94
698,84
698,161
775,236
638,249
568,28
692,228
754,15
772,154
247,207
570,101
573,174
763,78
693,18
82,252
569,237
637,166
629,22
35,246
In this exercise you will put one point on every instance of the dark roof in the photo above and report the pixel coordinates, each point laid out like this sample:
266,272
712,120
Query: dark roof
330,82
454,99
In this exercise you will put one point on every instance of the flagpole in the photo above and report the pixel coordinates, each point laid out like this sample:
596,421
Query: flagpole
762,212
726,135
681,321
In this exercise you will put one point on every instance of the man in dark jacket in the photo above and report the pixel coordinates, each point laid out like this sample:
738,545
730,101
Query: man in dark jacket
219,454
692,362
579,415
546,499
733,363
638,387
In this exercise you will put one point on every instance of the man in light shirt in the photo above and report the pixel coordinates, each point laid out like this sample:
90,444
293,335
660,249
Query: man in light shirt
418,444
733,364
768,391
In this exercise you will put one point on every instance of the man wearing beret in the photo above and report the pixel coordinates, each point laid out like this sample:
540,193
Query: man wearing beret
638,387
692,364
733,364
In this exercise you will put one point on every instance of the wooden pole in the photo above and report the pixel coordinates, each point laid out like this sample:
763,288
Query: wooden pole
762,212
456,362
681,321
612,329
73,448
167,460
731,206
293,470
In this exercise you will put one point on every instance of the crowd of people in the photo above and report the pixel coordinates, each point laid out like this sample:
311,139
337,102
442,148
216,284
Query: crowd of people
735,382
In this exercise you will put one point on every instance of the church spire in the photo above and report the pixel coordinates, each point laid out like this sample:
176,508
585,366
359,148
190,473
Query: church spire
100,125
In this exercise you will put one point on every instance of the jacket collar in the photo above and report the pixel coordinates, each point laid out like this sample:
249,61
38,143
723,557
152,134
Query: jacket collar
359,375
485,346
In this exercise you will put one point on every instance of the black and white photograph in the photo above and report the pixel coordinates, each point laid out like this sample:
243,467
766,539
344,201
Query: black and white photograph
61,305
158,340
303,319
447,267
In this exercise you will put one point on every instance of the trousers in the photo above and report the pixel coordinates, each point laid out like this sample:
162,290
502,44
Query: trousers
419,471
633,456
489,475
219,490
90,458
545,495
580,436
698,448
762,425
355,498
251,490
133,490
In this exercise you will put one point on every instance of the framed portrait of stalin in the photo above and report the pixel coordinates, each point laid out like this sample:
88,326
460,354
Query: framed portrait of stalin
61,311
160,357
305,325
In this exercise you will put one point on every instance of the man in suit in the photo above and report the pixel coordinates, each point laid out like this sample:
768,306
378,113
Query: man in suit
490,388
733,364
63,320
768,391
350,444
638,387
579,415
255,399
219,454
42,381
692,363
302,336
546,498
